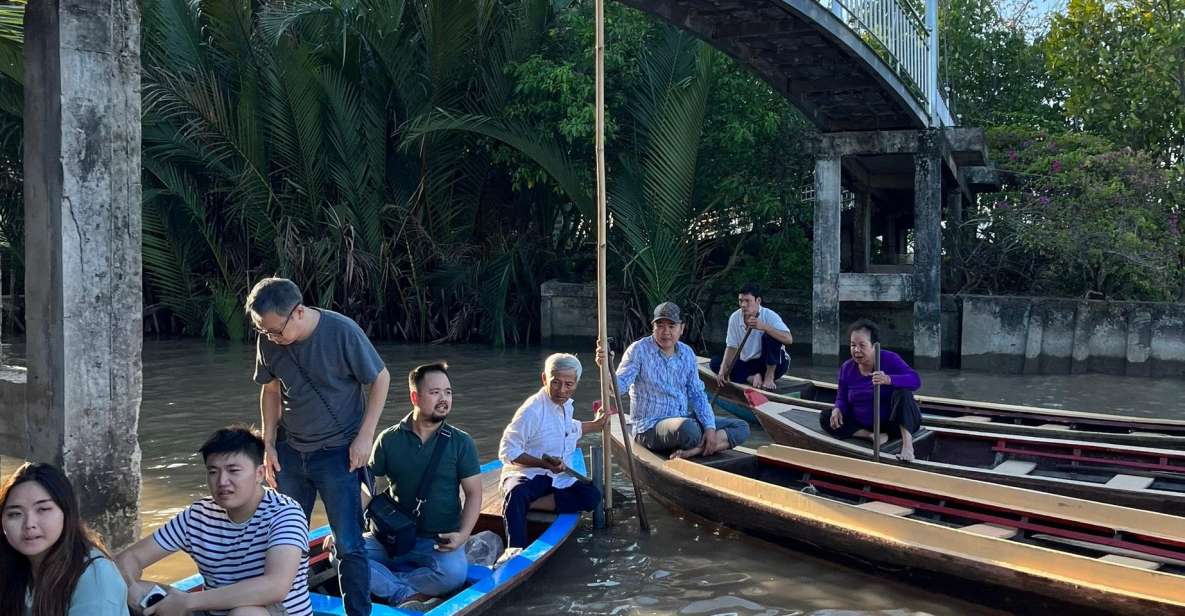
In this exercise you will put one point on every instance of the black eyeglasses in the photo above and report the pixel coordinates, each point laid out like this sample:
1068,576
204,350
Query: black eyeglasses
264,332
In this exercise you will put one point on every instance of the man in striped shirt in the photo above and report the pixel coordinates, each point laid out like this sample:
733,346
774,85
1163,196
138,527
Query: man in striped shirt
250,543
669,410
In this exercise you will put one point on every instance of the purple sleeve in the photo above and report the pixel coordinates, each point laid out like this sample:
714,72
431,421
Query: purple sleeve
841,394
903,376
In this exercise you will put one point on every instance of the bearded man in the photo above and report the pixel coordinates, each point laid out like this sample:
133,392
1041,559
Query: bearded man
436,565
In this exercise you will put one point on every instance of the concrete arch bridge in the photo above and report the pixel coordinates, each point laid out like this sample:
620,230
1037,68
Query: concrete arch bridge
865,72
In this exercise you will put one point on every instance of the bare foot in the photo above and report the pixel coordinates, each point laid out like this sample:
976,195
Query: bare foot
769,385
906,454
686,453
755,380
884,438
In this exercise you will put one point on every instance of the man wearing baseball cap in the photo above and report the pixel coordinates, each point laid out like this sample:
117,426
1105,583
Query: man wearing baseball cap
669,410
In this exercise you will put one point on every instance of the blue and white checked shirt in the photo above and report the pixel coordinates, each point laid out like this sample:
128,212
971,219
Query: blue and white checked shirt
662,387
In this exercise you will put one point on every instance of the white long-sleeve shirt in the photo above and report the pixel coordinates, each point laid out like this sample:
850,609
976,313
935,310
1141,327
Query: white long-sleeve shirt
540,427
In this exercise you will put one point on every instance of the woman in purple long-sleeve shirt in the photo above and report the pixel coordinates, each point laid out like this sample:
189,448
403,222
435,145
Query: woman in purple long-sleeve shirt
852,415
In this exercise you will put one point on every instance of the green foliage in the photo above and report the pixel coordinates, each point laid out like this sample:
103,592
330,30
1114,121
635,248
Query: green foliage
993,75
1079,217
1122,65
12,230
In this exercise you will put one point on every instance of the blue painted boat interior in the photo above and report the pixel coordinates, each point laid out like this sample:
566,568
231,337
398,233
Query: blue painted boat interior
482,580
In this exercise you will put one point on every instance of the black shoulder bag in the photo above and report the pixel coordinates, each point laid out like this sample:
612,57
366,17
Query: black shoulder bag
390,524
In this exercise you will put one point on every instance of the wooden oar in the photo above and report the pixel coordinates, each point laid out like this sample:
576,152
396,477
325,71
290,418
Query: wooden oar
720,388
876,405
643,521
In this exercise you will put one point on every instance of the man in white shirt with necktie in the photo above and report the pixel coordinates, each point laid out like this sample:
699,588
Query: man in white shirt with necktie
535,446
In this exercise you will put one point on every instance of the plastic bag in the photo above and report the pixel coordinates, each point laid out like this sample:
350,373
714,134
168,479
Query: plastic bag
484,548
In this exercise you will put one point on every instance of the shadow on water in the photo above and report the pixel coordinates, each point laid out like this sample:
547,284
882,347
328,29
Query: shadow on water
687,566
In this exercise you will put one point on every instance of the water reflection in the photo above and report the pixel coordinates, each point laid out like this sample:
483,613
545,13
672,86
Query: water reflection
686,566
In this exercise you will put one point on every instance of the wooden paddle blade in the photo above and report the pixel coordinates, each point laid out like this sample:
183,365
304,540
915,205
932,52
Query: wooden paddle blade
755,397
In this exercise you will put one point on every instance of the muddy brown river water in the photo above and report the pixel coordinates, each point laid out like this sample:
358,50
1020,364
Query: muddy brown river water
687,566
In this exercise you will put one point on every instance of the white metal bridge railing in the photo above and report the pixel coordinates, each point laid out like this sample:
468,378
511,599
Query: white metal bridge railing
905,39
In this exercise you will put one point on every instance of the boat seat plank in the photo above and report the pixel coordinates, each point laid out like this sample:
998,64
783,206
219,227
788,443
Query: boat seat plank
975,418
1015,467
495,508
1110,550
723,458
1139,563
1139,433
886,508
992,530
1054,426
1130,482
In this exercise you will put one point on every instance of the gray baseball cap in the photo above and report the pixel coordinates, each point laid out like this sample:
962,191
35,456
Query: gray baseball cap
669,311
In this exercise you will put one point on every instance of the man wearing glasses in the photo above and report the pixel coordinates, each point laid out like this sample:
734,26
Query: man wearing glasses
314,366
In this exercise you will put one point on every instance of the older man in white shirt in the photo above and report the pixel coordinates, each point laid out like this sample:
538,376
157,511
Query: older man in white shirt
535,446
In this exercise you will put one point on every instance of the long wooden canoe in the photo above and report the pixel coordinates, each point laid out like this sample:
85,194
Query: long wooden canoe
484,585
1090,554
972,415
1137,477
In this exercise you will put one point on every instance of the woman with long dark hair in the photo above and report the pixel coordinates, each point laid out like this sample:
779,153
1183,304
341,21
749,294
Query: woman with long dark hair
52,564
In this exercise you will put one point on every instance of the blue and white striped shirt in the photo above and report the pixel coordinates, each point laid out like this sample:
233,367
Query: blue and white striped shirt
662,387
227,552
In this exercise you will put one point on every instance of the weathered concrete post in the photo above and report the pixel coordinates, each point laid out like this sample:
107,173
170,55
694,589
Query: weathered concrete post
927,257
82,230
825,296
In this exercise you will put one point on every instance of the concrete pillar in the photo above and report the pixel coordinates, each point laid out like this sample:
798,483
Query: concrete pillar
82,238
861,232
927,257
825,296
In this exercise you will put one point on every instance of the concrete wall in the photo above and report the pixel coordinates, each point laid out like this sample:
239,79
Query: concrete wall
568,313
991,333
12,412
1052,336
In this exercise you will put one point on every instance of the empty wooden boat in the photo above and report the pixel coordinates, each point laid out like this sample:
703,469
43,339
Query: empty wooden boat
1138,477
484,585
971,415
1082,552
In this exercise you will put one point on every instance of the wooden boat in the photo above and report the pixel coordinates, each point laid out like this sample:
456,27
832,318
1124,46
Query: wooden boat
971,415
483,587
1091,554
1137,477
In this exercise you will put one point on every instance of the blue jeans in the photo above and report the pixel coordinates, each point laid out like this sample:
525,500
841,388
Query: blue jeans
423,570
520,492
686,433
302,476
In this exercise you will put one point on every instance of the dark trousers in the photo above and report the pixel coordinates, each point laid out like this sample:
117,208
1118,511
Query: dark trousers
771,355
302,476
903,411
520,492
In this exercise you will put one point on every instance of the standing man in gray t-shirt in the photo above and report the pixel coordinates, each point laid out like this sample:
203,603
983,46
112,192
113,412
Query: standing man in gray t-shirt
324,387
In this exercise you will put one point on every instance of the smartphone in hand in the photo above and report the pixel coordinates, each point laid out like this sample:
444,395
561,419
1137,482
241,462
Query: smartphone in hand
152,597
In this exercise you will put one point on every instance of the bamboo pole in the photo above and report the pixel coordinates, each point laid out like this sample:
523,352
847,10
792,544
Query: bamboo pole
876,405
602,248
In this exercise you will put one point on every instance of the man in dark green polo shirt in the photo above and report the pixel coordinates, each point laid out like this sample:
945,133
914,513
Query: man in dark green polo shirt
436,565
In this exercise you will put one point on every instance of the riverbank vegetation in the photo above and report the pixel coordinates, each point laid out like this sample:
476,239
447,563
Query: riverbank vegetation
423,167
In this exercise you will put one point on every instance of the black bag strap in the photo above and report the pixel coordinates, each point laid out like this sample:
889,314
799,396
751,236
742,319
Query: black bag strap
309,380
443,434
